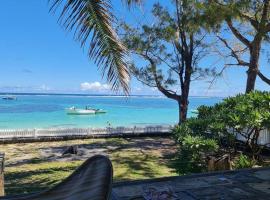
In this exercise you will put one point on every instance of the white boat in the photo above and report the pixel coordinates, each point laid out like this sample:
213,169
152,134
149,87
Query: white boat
76,111
87,111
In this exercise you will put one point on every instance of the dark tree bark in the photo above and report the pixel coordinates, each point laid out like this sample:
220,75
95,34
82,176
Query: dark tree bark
253,67
182,99
261,28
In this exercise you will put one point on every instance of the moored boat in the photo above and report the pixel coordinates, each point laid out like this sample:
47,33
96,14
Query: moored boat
86,111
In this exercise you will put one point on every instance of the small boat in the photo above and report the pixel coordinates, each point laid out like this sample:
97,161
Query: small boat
9,98
86,111
195,111
76,111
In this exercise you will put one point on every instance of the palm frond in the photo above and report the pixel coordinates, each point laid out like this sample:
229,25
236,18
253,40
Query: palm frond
129,3
92,22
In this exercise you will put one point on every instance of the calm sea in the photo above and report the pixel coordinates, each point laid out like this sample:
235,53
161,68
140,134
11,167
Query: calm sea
48,111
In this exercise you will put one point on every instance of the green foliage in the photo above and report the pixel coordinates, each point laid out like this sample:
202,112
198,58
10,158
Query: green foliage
92,24
192,153
199,144
244,162
238,10
245,114
179,132
248,111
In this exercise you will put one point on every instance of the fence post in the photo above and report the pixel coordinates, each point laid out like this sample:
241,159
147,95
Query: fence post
2,186
35,132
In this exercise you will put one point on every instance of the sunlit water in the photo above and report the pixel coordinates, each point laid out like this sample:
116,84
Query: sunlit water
48,111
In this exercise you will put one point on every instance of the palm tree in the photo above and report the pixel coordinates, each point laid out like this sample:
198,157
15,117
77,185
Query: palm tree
92,22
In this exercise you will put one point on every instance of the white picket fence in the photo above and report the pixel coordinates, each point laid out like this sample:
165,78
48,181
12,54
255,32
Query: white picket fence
263,139
61,132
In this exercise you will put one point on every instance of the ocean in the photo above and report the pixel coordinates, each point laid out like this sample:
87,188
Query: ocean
48,111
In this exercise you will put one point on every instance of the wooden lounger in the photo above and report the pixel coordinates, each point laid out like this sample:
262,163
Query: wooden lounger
91,181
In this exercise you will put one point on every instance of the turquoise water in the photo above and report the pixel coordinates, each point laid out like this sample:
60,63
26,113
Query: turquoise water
48,111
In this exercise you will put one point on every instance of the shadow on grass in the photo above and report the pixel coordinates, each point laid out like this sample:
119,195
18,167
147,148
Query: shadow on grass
26,161
132,159
30,181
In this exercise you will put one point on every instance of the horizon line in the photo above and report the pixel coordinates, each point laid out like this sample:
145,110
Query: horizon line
83,94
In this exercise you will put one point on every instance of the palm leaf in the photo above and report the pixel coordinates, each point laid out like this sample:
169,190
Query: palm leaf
129,3
92,22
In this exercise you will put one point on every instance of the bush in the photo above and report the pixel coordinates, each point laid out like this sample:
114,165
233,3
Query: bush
193,152
199,145
247,115
244,114
244,162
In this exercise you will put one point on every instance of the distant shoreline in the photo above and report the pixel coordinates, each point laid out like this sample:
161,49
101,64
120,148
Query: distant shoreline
93,95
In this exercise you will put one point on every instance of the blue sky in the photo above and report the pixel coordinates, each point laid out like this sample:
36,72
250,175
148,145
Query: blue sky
37,55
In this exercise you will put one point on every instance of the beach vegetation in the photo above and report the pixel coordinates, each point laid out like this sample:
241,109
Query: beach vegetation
193,152
244,115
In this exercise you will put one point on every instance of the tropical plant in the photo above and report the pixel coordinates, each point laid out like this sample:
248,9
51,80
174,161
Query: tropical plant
244,114
92,22
244,162
193,153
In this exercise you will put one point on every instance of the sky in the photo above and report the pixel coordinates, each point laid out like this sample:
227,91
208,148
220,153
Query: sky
38,55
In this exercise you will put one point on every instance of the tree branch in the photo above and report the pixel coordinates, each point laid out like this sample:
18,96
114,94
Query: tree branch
164,61
168,93
233,53
264,78
252,21
237,34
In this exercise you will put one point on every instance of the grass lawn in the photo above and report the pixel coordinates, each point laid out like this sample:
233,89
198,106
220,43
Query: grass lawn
31,167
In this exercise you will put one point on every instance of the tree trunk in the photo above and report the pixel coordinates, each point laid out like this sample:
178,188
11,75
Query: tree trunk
253,67
251,78
183,108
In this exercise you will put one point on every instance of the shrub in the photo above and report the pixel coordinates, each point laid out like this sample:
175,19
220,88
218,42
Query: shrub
244,114
247,115
179,132
193,152
244,162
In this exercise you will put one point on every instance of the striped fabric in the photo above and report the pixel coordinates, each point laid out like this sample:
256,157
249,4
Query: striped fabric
91,181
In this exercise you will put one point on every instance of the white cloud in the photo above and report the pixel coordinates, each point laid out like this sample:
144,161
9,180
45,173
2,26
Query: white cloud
94,86
138,89
44,88
154,89
25,88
